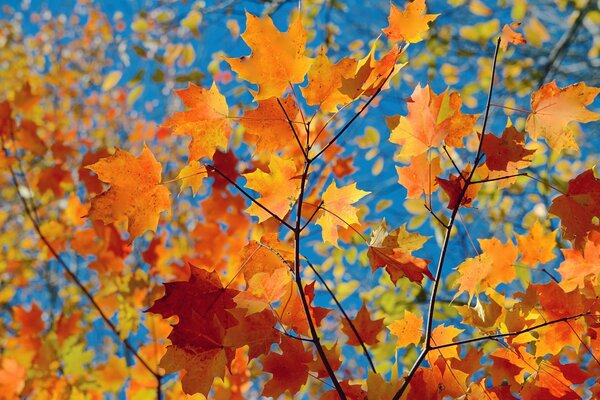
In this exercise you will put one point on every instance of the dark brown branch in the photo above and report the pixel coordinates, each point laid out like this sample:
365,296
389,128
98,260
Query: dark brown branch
454,164
501,178
252,199
311,324
435,216
446,242
339,305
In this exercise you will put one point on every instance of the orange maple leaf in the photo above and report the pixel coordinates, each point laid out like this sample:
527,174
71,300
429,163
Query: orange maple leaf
277,58
537,246
431,120
419,176
408,329
581,265
510,36
135,193
206,120
269,127
553,109
339,201
393,250
325,82
409,25
367,328
493,266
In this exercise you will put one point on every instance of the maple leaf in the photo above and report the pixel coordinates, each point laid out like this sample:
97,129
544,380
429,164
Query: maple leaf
580,265
332,354
269,126
536,246
370,74
325,82
443,334
508,152
289,369
292,312
277,58
278,188
493,266
419,176
367,328
510,36
431,120
257,331
339,201
393,250
454,187
206,120
409,25
192,176
135,193
553,109
579,208
202,305
409,329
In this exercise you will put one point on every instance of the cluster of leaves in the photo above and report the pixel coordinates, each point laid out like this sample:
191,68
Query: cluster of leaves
244,300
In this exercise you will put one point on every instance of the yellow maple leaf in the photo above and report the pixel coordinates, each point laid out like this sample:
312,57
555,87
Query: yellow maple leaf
409,25
277,58
192,175
206,120
278,188
339,201
408,329
135,193
552,110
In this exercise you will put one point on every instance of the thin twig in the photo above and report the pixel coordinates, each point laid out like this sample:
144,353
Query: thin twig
293,129
339,305
252,199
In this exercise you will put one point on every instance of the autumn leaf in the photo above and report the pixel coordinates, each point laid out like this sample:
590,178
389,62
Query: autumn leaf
553,109
192,176
339,201
135,193
269,127
507,153
454,187
325,82
206,120
493,266
443,334
278,188
367,328
289,369
537,246
277,58
419,176
202,306
393,250
291,310
409,25
431,120
408,330
579,208
581,265
510,36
